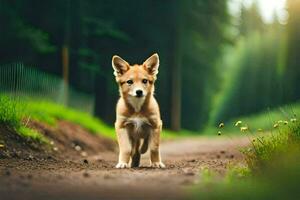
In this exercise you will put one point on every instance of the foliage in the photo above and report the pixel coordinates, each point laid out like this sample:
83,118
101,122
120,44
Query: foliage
259,122
291,73
259,69
265,148
254,82
186,34
273,173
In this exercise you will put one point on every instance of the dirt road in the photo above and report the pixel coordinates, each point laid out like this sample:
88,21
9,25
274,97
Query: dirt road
96,178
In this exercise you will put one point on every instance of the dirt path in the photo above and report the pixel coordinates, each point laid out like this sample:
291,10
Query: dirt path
96,178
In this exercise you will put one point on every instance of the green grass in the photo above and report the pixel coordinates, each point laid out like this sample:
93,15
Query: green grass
278,142
261,122
49,112
12,113
272,171
32,134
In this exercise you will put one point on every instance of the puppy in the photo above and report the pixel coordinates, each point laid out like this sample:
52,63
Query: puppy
138,124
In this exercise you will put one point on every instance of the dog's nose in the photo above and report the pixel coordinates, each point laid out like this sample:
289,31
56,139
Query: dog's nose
139,93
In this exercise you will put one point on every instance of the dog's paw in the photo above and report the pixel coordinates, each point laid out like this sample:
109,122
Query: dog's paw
158,165
122,165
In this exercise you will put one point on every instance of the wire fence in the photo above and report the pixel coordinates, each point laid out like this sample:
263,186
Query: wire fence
19,81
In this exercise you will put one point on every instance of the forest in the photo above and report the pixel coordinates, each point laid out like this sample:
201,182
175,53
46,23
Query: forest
214,66
227,87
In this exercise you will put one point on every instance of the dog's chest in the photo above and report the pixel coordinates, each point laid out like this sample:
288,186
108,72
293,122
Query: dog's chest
139,126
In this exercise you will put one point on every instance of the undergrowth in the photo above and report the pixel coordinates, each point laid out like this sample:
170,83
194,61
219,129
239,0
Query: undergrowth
272,170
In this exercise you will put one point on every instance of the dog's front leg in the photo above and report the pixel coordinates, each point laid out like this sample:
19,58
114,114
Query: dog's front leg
124,148
155,159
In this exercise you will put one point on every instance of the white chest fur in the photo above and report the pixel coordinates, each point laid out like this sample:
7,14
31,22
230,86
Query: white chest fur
136,103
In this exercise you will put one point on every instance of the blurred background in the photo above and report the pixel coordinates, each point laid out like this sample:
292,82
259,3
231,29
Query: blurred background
219,59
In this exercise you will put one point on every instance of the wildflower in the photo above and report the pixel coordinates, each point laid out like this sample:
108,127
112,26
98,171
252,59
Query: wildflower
221,125
1,145
275,125
219,133
244,128
238,123
279,121
260,130
285,122
293,120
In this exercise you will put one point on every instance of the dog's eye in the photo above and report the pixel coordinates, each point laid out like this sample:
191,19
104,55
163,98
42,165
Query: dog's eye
129,82
145,81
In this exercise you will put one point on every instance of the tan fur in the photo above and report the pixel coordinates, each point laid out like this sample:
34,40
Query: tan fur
138,123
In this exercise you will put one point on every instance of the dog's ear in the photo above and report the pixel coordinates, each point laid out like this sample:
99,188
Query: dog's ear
152,64
119,65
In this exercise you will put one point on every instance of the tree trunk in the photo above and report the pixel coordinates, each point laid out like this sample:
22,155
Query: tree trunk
176,72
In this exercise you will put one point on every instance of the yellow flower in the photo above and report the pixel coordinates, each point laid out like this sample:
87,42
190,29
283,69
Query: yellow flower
279,121
238,123
293,120
219,132
221,125
244,128
285,122
275,125
1,145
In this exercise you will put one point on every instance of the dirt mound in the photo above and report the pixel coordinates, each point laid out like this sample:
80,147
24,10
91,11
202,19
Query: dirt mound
67,140
15,146
70,139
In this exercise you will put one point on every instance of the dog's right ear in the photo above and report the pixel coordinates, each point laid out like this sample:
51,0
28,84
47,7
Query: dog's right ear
119,65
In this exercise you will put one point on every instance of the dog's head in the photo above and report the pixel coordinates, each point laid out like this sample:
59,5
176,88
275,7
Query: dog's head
137,80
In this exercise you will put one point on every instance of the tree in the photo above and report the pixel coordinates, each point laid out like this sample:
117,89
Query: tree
292,69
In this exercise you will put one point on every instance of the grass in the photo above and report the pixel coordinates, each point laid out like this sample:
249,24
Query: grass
278,142
12,114
272,171
15,113
49,112
261,122
32,134
10,111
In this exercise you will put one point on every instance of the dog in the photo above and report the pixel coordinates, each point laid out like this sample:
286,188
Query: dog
138,123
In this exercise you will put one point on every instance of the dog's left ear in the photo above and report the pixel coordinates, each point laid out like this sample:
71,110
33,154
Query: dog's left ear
152,64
